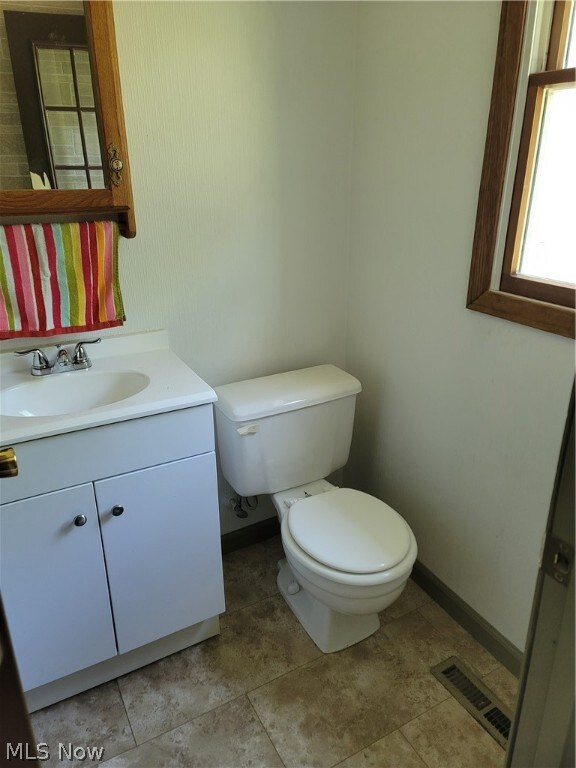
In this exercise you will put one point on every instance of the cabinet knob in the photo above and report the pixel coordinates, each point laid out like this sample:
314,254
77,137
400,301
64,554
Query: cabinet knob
117,510
80,520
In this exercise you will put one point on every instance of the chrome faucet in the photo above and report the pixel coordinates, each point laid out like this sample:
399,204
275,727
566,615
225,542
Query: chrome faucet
63,362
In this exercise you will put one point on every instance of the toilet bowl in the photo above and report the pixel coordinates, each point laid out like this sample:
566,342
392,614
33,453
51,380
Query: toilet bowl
337,580
348,554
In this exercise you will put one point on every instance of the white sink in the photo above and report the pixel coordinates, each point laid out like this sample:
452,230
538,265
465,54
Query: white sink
68,393
131,376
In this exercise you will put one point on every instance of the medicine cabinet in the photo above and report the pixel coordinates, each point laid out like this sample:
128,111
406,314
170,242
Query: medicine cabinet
72,104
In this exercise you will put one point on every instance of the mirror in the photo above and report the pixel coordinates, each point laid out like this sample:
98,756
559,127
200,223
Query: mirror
63,154
50,117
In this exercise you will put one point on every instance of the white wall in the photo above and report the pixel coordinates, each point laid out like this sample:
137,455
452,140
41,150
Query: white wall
239,119
239,122
460,422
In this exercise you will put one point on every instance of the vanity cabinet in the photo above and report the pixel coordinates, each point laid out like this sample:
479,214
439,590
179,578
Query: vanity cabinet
128,556
162,551
54,585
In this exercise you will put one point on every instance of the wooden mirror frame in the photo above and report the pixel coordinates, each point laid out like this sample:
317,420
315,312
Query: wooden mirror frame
115,201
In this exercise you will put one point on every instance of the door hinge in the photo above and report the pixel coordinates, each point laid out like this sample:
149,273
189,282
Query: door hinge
558,559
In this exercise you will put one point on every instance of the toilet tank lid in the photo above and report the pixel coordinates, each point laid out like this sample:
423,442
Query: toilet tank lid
282,392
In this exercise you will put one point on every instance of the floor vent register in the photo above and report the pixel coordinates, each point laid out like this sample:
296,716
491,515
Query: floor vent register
475,697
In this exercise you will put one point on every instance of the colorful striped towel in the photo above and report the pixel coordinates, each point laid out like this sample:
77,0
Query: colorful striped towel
59,278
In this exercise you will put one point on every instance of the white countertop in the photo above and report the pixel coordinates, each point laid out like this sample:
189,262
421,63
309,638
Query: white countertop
173,385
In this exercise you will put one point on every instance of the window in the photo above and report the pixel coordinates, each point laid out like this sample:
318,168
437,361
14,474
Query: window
67,102
535,284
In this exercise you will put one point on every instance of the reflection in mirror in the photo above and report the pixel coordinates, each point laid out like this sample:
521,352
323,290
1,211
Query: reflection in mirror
50,125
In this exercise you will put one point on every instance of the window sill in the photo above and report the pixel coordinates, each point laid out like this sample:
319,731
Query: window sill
519,309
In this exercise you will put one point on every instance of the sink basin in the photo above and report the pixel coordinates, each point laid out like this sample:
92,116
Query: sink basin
132,376
67,393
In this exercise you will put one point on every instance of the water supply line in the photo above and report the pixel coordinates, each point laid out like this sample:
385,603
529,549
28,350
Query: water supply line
243,505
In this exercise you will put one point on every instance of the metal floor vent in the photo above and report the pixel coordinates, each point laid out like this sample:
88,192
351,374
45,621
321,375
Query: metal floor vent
475,697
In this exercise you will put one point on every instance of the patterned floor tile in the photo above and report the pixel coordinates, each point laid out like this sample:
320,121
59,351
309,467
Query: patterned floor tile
341,703
393,751
467,648
256,645
96,718
448,737
231,736
505,686
250,573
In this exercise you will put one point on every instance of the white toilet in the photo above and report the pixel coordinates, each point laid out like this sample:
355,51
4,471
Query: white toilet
348,554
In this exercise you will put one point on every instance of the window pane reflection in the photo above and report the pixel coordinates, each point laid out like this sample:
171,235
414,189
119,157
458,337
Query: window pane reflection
84,78
65,139
91,138
97,179
71,179
55,70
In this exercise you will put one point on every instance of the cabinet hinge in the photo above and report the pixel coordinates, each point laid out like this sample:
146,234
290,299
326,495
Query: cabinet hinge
558,559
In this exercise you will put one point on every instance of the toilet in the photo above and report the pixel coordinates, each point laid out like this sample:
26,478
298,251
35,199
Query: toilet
348,554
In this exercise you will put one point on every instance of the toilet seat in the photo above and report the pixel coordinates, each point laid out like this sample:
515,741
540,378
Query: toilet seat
349,531
344,580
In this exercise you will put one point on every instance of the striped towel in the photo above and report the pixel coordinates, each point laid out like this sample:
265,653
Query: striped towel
59,278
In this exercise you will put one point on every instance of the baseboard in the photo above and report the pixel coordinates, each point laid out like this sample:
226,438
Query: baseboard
251,534
501,648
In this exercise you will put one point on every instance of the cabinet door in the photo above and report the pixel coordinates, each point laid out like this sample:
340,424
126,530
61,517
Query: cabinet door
162,549
54,586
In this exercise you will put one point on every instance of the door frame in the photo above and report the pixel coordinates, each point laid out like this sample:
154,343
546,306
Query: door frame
543,728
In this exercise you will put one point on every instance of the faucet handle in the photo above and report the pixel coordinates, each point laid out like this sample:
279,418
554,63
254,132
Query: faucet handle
80,357
39,362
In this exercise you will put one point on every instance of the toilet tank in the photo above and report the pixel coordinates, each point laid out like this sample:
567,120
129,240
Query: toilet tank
281,431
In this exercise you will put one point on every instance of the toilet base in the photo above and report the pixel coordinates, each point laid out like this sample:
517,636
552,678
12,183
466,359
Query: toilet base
330,630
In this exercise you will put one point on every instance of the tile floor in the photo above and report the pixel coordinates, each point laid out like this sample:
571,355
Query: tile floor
262,694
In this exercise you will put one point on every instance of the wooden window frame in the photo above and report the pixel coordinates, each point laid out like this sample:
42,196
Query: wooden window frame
542,312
